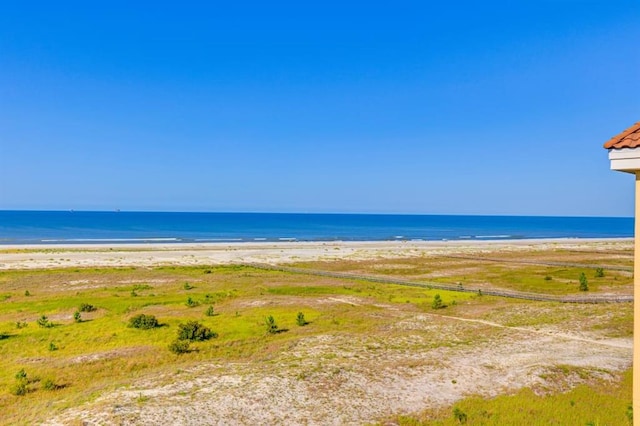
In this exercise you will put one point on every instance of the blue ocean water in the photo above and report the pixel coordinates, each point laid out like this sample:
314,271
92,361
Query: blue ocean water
32,227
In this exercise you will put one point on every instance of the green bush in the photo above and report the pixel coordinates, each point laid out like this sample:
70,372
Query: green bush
599,272
179,346
460,415
209,312
19,388
437,302
300,319
21,375
143,322
53,346
270,323
194,331
584,284
44,322
191,303
187,286
77,317
87,307
49,384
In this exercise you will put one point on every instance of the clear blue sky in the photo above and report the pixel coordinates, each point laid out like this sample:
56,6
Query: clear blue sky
492,107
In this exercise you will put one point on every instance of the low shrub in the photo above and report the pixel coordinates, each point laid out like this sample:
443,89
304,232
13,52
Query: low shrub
179,346
300,319
87,307
209,312
270,323
21,375
437,302
19,388
194,331
77,317
584,284
49,384
44,322
460,415
143,322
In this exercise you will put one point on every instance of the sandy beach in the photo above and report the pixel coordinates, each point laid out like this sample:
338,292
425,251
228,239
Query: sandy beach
147,255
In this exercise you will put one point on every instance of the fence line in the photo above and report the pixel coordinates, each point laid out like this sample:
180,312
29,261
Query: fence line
449,287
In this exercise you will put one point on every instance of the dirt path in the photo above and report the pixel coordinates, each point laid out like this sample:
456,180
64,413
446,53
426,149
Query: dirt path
622,344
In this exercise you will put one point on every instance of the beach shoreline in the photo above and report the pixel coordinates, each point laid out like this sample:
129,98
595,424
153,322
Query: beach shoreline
42,256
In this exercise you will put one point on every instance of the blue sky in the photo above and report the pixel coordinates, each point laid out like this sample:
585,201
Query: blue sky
494,107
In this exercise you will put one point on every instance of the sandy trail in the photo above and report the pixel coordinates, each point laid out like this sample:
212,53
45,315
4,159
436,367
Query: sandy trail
621,343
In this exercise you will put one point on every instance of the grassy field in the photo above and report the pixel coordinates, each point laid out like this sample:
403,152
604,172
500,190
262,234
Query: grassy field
598,403
555,272
374,330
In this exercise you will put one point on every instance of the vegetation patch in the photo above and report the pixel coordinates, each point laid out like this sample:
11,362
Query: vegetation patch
195,332
143,322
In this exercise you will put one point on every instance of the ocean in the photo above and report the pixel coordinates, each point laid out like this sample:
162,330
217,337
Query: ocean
54,227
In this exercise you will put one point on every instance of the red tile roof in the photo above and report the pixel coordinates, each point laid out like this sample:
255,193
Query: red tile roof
630,138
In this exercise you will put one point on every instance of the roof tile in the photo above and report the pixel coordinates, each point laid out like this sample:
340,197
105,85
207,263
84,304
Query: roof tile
630,138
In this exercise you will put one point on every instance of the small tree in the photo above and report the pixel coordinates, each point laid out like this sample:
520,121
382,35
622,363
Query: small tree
584,284
599,272
209,312
300,319
437,302
77,317
270,323
44,322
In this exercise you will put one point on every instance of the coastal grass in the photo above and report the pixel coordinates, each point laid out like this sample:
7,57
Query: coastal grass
101,352
473,272
600,402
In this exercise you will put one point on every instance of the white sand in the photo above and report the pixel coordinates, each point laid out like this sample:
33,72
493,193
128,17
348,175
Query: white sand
145,255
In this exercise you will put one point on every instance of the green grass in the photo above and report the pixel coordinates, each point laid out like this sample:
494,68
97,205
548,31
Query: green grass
101,353
471,272
599,403
103,348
